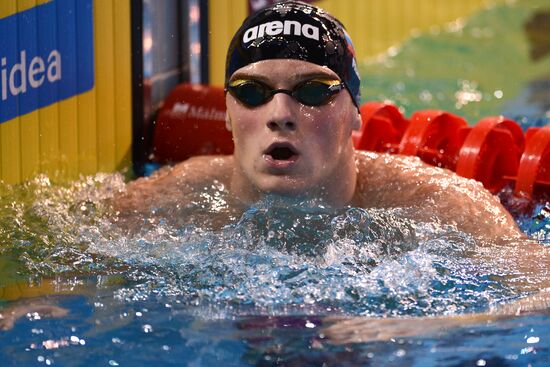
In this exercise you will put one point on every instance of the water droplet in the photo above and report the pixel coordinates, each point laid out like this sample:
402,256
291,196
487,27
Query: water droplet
400,353
147,328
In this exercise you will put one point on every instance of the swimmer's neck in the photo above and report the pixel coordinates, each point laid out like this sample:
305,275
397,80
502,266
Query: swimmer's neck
336,192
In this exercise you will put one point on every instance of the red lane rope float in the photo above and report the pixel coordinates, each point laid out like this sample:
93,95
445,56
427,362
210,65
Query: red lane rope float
434,136
534,166
381,129
191,122
491,152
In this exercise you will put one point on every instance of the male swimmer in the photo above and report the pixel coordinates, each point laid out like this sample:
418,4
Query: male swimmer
292,95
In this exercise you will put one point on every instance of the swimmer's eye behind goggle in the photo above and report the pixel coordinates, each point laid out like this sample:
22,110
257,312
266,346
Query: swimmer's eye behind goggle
312,92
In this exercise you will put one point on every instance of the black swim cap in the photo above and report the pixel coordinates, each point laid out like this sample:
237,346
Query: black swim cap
295,30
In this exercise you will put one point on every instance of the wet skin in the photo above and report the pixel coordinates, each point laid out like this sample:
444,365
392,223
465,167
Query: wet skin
321,165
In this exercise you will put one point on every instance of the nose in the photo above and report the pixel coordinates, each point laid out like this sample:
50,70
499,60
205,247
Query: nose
281,113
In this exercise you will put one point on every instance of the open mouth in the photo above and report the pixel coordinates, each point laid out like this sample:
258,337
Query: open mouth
281,152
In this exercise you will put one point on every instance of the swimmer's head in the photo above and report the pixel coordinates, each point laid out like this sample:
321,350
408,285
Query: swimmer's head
295,30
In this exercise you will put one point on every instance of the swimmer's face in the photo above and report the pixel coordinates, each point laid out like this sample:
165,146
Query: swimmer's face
284,146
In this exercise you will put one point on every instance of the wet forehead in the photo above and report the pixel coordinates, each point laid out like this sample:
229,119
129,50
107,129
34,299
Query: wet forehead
283,72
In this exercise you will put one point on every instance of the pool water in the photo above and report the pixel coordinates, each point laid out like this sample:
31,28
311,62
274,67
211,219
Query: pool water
263,290
268,288
483,65
101,331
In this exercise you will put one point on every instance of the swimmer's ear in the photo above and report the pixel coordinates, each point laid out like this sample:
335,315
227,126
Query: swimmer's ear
227,122
356,123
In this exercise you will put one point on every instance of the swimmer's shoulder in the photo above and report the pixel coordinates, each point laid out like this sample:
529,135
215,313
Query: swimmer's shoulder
373,160
396,180
390,181
380,173
205,168
171,185
410,173
193,171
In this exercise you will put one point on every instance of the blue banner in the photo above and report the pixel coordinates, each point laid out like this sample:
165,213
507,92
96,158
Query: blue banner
46,55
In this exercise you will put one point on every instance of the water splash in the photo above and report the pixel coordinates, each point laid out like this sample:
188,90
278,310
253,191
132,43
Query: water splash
277,257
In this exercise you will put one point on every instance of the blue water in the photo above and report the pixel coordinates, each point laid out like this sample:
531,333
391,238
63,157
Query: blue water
261,290
103,332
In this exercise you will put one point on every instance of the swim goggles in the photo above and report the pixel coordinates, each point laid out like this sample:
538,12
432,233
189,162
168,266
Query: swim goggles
312,92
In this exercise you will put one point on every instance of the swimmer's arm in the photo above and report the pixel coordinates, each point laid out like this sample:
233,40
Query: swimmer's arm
34,299
364,329
535,303
10,314
21,299
525,264
531,262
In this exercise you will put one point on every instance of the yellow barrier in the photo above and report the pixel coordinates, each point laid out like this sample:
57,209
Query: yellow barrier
374,25
86,133
224,17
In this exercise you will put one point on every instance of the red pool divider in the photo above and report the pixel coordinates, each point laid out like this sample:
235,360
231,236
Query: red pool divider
495,151
191,122
434,136
382,127
533,176
491,152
